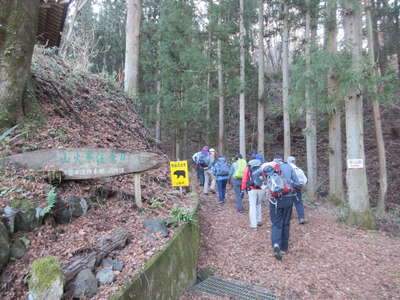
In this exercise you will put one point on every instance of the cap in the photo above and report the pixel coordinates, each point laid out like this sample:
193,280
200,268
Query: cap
212,150
291,159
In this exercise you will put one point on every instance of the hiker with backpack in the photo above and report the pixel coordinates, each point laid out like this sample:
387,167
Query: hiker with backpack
235,177
209,178
302,181
201,160
220,170
252,182
281,184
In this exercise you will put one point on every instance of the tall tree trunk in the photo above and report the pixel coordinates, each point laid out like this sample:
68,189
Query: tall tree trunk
311,113
335,132
220,100
285,82
134,11
261,100
78,6
208,101
242,119
158,110
356,177
377,115
18,27
397,29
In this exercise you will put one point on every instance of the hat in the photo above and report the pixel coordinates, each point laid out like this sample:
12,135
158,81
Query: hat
237,156
291,159
254,163
212,150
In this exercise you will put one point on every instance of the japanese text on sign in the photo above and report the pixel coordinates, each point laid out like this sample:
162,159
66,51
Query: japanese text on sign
179,173
355,163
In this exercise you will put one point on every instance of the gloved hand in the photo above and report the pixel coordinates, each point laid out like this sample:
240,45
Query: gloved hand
241,194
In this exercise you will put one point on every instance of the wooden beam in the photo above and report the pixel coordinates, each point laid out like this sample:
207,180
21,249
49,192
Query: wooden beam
138,191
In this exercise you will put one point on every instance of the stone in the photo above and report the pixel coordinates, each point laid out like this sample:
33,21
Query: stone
25,215
18,249
85,285
105,276
4,246
155,226
47,279
85,163
112,264
69,207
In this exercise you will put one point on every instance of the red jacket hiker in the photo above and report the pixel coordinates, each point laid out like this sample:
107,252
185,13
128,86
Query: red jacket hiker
245,178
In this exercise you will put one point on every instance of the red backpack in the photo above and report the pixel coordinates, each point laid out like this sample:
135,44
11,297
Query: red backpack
276,183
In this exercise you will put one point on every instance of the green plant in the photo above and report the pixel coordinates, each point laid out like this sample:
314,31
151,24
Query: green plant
51,201
4,136
182,215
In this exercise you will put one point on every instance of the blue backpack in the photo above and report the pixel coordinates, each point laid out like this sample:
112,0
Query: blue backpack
203,160
221,168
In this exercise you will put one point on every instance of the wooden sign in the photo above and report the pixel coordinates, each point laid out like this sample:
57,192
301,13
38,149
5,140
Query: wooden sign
179,173
355,163
85,163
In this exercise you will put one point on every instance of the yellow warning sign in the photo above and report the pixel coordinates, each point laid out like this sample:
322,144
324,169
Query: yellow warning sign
179,173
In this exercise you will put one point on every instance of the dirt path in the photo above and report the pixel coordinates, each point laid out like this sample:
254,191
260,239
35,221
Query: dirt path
326,260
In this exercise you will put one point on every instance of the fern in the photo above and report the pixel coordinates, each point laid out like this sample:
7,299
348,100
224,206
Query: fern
51,201
182,215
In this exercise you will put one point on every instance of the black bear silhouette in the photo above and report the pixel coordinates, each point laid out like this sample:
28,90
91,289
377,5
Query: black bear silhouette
179,173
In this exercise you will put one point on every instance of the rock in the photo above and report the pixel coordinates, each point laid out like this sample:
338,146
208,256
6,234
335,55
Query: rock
112,264
156,225
47,279
105,276
71,206
25,215
9,215
85,284
18,249
4,246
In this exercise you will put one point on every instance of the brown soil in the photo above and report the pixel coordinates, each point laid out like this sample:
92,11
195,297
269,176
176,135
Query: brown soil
82,110
326,259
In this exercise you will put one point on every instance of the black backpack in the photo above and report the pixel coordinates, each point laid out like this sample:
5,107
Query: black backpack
256,177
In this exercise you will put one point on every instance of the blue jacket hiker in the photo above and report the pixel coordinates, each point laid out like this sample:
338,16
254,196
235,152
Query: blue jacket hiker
280,209
201,160
220,170
235,176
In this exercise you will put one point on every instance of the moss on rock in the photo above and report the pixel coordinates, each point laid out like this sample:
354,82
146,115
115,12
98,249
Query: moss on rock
45,271
22,204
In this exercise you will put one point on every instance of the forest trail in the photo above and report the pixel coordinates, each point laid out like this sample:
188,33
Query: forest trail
326,259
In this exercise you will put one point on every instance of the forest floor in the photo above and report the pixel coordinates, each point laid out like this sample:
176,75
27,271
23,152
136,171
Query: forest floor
82,110
326,259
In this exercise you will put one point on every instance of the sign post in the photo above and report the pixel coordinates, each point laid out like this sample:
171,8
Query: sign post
355,163
179,173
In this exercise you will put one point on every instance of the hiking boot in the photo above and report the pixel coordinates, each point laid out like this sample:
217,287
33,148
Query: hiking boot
213,191
302,221
259,224
206,194
277,252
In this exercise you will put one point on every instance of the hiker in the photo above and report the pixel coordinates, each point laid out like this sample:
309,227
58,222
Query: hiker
256,194
302,180
235,178
201,160
220,170
208,176
280,207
